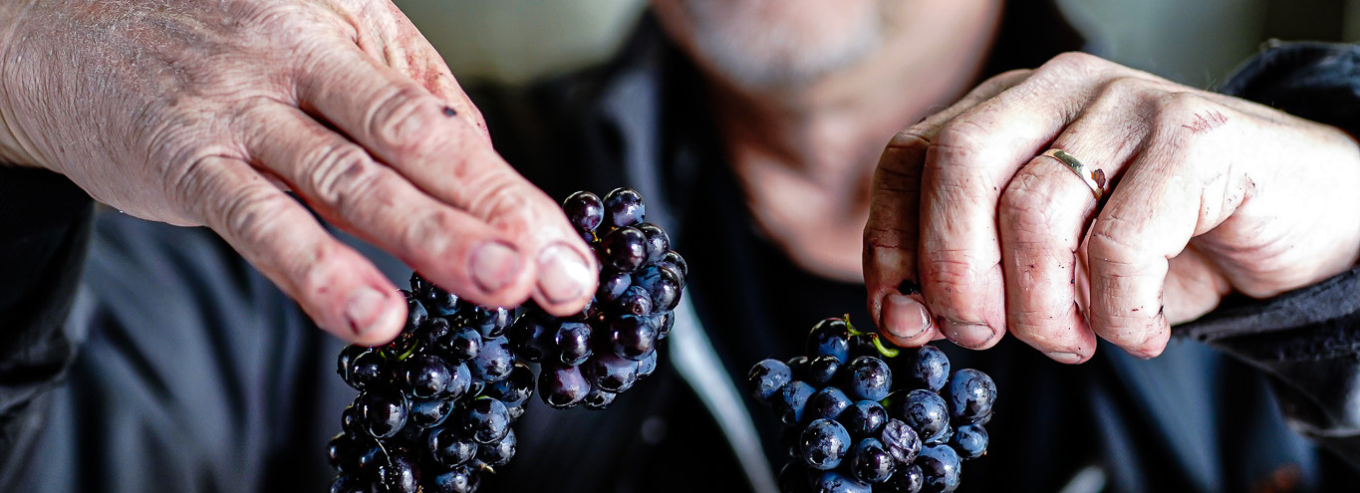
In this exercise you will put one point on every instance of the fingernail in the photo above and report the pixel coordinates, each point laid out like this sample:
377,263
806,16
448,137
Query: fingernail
966,334
493,265
1065,357
562,273
904,317
364,310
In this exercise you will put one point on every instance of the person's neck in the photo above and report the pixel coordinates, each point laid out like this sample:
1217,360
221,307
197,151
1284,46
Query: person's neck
806,154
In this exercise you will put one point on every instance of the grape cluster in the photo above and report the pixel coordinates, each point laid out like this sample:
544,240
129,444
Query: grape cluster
591,357
851,427
437,405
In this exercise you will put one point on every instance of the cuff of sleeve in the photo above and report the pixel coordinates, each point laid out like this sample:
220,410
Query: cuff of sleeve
34,199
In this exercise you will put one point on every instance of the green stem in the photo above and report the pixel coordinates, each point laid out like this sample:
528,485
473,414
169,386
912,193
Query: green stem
409,351
887,352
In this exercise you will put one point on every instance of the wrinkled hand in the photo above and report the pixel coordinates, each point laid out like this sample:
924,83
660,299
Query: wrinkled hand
1209,195
202,112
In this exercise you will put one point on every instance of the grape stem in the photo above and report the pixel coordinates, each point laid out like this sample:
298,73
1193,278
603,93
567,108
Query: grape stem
887,352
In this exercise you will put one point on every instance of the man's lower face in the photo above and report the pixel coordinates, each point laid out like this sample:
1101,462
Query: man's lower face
771,43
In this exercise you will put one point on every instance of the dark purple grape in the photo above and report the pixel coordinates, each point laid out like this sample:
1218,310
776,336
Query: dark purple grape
499,453
515,389
434,333
419,286
346,361
823,369
799,366
941,467
349,421
766,377
515,413
662,285
928,368
494,360
823,444
415,312
398,475
612,285
870,463
647,365
611,372
793,478
343,453
428,413
486,420
460,382
562,386
830,337
907,479
382,411
441,303
827,403
585,210
463,344
970,441
572,343
366,369
971,395
369,460
344,483
635,301
663,322
900,440
836,482
864,419
862,345
925,411
791,402
868,378
658,242
425,376
599,399
532,334
456,480
789,438
451,447
632,337
624,249
675,262
624,207
490,322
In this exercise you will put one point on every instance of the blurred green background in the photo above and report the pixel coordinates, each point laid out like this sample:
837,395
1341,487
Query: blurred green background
1196,42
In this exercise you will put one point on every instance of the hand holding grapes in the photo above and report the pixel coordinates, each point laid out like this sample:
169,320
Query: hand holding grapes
973,233
203,112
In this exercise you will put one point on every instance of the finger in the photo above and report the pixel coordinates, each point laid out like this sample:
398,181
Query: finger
1045,211
1148,220
340,289
967,168
411,130
348,188
891,234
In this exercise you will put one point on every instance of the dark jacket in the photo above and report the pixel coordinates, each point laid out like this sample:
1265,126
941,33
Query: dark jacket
195,374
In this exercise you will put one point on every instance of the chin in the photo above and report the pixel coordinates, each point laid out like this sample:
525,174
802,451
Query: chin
770,43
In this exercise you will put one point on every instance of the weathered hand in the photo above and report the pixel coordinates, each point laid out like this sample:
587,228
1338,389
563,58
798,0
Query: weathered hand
203,112
1208,195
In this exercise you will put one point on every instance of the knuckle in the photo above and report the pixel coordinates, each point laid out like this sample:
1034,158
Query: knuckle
1125,88
502,200
958,140
1072,61
1180,106
342,174
425,233
398,119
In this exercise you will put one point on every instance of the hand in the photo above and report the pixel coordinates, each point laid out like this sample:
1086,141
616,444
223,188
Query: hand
203,112
1208,195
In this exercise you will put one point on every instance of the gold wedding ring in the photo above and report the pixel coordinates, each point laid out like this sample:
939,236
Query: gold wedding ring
1094,179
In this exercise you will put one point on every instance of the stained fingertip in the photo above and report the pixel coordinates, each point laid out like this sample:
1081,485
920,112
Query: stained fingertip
494,265
1066,357
968,335
905,319
372,316
565,277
